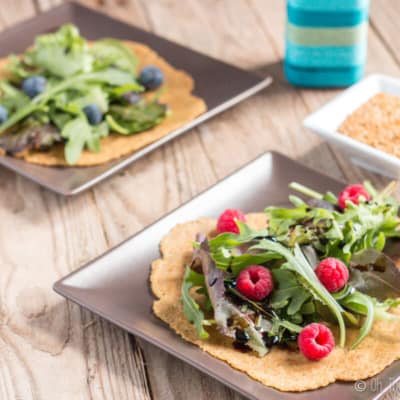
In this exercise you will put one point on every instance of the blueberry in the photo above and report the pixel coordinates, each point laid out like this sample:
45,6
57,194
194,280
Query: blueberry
93,114
131,97
3,114
151,77
34,85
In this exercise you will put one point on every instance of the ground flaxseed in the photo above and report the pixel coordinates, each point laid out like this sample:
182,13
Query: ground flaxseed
376,123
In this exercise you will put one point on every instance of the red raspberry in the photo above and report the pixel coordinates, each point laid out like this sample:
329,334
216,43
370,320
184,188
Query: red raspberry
255,282
227,221
316,341
353,193
332,273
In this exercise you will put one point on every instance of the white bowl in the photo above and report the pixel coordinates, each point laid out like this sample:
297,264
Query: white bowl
326,121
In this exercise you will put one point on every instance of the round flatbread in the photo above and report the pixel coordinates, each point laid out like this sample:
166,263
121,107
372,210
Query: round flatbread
282,369
184,107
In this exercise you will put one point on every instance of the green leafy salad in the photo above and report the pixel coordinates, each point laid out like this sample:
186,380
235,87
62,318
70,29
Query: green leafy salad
65,90
314,271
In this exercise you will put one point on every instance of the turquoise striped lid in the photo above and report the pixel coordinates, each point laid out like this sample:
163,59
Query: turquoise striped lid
323,77
298,16
316,36
326,56
327,13
329,5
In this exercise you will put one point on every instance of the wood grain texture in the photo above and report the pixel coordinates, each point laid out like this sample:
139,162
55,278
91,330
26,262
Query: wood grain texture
51,349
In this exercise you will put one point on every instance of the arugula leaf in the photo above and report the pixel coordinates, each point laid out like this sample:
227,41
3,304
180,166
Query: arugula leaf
111,52
94,94
227,260
78,134
361,304
130,87
191,309
381,309
63,53
288,293
230,240
111,76
11,98
19,70
136,118
229,254
328,197
98,132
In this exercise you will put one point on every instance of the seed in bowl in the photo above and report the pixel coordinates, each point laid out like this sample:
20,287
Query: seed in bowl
376,123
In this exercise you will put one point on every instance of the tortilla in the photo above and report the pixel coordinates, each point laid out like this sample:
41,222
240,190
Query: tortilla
281,369
183,105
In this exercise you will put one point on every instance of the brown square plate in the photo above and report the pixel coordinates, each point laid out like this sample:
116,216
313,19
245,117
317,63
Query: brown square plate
116,285
219,84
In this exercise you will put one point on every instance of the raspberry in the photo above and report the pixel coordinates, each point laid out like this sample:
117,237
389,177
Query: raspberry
332,273
227,221
255,282
353,194
316,341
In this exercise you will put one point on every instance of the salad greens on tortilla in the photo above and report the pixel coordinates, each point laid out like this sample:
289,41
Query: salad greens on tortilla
291,246
66,91
218,313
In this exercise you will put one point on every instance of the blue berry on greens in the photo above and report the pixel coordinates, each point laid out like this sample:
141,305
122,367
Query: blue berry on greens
34,86
93,114
151,77
131,97
3,114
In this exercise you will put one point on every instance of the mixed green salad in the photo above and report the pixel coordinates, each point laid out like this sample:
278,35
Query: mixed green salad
318,265
63,90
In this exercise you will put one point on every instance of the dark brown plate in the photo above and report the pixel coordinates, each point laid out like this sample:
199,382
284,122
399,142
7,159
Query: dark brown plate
220,85
116,287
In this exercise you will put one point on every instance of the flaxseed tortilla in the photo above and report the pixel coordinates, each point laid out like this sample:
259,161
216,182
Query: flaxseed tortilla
282,369
184,107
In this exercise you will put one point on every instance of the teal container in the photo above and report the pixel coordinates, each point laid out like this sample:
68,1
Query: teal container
326,42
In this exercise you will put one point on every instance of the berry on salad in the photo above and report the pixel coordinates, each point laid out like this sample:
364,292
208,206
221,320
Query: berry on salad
316,341
93,114
353,193
34,86
151,77
332,273
131,97
3,114
227,221
255,282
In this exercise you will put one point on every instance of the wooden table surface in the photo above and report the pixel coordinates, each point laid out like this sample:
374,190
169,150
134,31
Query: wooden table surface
51,349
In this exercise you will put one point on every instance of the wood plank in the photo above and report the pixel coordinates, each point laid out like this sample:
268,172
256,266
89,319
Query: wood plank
384,19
